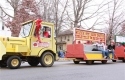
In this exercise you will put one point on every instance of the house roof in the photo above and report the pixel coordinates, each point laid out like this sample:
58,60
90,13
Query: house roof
62,42
69,31
66,32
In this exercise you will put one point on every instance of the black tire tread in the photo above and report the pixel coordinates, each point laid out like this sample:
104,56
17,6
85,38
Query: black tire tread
104,61
9,62
76,62
3,64
89,62
113,60
42,59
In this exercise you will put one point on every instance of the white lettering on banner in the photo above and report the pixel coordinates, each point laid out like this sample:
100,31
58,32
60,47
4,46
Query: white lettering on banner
42,44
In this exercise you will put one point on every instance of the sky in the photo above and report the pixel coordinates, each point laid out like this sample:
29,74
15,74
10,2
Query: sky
89,22
6,7
86,23
9,10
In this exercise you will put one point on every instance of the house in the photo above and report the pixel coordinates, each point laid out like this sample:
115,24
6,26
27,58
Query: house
64,38
3,30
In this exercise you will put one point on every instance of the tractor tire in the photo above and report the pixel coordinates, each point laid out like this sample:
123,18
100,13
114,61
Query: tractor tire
14,62
3,64
34,61
76,62
47,59
104,61
89,62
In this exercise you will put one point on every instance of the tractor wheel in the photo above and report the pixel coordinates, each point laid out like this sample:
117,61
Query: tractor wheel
47,59
104,61
89,62
14,62
33,61
113,60
3,64
76,62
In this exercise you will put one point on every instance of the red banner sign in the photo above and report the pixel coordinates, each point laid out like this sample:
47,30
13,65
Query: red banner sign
86,35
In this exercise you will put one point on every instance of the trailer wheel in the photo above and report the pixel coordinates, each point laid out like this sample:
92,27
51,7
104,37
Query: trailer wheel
104,61
89,62
113,60
14,62
3,64
76,62
47,59
33,61
123,60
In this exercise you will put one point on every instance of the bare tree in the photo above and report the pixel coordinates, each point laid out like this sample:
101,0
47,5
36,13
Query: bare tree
115,18
54,11
80,14
14,4
122,31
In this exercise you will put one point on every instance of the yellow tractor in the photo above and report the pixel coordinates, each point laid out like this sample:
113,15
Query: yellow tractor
27,48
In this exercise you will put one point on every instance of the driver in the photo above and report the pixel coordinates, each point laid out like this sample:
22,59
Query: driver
46,32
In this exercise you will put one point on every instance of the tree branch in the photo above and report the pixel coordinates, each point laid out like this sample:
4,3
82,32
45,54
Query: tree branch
6,12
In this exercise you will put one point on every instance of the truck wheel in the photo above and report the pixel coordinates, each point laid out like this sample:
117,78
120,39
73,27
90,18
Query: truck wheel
14,62
89,62
47,59
33,61
3,64
76,62
104,61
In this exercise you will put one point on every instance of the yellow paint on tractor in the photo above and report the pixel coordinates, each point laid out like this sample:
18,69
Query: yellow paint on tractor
2,50
95,56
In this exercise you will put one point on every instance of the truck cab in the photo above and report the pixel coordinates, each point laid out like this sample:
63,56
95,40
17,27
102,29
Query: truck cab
28,48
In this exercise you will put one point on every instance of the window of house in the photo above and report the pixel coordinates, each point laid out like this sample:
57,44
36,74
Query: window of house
61,39
68,38
61,47
2,27
45,32
65,37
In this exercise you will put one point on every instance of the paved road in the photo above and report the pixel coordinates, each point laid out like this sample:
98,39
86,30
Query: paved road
63,70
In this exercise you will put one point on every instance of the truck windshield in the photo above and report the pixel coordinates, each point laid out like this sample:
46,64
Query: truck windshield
25,29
